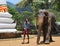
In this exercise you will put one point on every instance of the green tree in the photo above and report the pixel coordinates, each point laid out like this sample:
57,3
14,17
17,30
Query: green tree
15,16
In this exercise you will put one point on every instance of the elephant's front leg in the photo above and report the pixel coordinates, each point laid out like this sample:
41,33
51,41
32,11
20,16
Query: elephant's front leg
48,37
48,31
39,34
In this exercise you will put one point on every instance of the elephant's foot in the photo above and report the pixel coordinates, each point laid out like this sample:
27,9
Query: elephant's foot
37,42
47,42
51,41
38,39
42,41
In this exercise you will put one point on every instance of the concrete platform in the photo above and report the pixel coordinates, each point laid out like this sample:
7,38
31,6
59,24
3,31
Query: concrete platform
10,35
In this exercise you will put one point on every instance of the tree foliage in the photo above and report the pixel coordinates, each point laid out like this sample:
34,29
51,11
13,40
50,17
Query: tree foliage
53,6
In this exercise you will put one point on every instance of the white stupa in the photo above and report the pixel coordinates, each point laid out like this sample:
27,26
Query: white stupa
6,22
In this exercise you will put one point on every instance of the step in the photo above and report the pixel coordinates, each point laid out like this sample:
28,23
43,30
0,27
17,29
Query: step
7,26
10,35
58,23
6,20
7,30
5,14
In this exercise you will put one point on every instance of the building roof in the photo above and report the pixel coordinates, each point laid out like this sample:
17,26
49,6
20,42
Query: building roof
3,2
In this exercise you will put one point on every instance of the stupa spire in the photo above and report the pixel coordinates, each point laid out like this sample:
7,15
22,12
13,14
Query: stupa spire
3,2
3,6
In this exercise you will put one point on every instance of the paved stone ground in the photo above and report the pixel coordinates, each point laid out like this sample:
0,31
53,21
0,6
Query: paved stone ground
18,41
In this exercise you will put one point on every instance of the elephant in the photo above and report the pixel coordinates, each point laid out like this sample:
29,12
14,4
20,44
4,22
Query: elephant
46,22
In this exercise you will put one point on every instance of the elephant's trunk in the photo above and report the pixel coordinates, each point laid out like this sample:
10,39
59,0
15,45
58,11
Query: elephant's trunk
40,23
39,34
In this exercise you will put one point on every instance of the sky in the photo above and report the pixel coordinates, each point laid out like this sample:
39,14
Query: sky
14,1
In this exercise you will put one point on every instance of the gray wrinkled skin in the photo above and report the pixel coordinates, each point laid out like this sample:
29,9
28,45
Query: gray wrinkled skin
46,21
